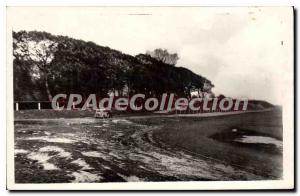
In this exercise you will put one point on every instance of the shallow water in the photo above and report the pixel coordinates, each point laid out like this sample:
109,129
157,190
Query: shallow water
260,140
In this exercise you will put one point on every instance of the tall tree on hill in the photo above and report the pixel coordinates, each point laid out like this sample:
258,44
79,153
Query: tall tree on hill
164,56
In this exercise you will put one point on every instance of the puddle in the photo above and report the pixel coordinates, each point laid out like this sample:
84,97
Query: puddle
250,137
260,140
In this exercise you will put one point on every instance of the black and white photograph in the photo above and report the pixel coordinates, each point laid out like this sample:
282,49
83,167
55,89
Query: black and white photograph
135,97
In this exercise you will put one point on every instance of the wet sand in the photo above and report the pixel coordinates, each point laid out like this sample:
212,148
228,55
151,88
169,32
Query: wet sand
132,149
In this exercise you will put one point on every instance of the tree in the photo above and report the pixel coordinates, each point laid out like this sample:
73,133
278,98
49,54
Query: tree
164,56
45,65
37,52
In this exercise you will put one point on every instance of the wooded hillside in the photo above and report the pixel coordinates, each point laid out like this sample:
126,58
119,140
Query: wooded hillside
45,65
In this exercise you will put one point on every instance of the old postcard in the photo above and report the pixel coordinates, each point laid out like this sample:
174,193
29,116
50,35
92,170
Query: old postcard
150,98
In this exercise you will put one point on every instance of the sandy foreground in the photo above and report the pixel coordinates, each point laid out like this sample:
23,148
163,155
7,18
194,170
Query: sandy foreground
149,148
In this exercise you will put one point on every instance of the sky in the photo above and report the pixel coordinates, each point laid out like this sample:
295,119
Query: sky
247,52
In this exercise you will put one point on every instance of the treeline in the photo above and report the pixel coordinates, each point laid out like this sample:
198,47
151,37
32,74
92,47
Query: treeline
45,65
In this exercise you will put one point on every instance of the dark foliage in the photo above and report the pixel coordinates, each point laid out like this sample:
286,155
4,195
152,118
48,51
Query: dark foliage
86,68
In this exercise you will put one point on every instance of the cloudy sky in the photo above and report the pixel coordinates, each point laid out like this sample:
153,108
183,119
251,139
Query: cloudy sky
246,52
